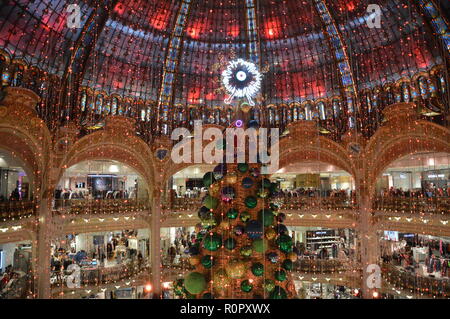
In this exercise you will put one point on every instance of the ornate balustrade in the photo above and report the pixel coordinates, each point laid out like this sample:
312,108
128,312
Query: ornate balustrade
100,275
285,203
16,210
413,205
99,206
416,284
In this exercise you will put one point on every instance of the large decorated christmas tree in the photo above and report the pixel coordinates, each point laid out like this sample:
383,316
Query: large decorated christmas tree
243,249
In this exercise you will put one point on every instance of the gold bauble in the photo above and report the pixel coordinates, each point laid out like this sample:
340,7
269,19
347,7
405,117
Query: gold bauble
271,233
220,280
214,190
224,224
194,260
235,269
292,256
231,178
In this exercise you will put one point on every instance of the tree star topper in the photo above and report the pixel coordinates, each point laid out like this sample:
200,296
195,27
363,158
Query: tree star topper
241,79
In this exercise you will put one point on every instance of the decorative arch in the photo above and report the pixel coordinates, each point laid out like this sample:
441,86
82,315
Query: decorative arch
123,147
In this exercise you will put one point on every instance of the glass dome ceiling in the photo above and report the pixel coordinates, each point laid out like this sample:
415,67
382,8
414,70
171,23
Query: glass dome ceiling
308,49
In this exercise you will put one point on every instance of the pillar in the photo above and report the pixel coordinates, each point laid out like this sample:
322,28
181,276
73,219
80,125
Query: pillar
155,246
369,249
42,258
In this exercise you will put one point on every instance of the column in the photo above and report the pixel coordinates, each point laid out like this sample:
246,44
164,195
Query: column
155,247
42,258
369,250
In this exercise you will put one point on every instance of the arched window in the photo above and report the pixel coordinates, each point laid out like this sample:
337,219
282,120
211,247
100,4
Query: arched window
336,108
308,112
229,115
294,109
18,75
107,107
322,114
143,115
369,102
405,92
271,116
114,104
99,104
301,113
217,116
83,101
423,87
389,96
442,84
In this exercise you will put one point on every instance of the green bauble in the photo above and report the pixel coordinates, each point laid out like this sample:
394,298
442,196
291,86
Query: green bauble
278,293
263,193
212,242
207,261
287,265
242,167
207,295
284,242
251,201
245,216
274,207
280,275
258,269
210,202
232,213
269,285
229,243
260,245
274,187
246,251
246,286
195,282
266,217
208,179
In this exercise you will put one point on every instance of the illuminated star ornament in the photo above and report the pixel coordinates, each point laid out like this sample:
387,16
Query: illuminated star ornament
241,79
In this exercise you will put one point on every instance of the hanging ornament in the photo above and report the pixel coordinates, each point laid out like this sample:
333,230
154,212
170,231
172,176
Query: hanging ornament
242,167
220,171
270,233
251,201
246,286
254,229
228,194
257,269
208,179
273,257
231,178
287,264
195,282
245,216
232,213
235,269
246,251
241,79
269,285
284,242
247,182
278,293
238,230
210,202
212,242
260,245
230,243
207,261
280,275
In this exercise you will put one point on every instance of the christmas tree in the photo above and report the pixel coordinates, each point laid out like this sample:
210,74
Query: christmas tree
243,249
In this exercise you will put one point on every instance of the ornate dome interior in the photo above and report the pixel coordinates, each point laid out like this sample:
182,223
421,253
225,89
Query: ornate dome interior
166,57
356,96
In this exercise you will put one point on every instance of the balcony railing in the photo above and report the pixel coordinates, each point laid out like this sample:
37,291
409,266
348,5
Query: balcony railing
16,210
412,205
100,275
417,284
286,203
99,206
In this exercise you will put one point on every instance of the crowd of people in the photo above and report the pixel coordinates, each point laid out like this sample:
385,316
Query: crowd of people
430,191
16,195
314,192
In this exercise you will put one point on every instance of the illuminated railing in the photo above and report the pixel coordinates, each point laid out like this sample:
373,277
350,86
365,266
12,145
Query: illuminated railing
301,265
416,284
286,203
99,206
100,275
412,205
16,210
